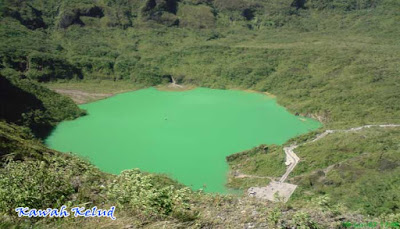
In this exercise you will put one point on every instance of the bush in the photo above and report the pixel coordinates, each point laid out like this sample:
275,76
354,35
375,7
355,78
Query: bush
39,108
45,67
303,220
124,65
196,16
230,4
32,184
135,190
342,4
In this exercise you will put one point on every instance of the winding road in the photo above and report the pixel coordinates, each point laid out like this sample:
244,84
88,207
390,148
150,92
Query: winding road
292,159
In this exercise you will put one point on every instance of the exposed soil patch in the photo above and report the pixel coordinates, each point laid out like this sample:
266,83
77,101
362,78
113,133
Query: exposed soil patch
175,87
240,175
81,97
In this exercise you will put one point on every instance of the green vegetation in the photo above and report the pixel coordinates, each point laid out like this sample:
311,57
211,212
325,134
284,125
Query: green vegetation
29,104
334,60
361,169
258,161
37,177
84,91
322,61
145,196
92,86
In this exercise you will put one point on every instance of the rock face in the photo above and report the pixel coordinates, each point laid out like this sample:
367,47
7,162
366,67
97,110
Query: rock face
28,16
299,4
161,11
70,18
157,6
73,16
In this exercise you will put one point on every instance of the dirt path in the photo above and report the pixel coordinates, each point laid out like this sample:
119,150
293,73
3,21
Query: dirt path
292,159
285,190
81,97
241,175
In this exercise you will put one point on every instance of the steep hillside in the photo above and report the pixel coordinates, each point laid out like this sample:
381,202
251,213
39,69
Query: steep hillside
324,59
36,177
29,104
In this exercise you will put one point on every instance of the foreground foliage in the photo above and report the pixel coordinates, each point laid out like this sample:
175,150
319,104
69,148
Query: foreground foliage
36,177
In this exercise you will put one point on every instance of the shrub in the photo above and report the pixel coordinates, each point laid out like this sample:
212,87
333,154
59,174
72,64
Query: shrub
196,16
124,65
343,4
230,4
32,184
274,217
303,220
45,67
135,190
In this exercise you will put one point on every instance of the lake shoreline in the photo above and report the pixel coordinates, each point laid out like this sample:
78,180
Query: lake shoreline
153,120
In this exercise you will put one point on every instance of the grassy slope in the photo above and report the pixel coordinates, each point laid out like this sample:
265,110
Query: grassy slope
27,103
341,76
51,179
257,162
361,169
345,77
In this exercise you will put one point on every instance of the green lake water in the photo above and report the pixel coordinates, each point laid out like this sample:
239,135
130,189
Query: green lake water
186,135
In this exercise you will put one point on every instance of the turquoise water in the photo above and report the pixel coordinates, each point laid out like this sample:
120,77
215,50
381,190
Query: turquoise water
186,135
